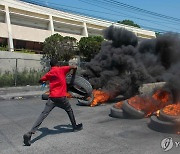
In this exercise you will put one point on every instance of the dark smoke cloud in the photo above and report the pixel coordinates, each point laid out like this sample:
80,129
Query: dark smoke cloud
120,37
123,65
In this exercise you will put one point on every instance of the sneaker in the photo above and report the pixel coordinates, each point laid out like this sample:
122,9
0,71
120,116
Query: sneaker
27,139
78,127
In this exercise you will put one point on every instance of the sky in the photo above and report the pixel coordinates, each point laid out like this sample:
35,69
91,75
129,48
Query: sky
157,15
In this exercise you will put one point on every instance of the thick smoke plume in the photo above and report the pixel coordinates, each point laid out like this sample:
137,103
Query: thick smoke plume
123,64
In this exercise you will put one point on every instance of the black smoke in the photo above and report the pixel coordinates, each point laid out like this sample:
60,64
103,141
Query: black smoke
123,64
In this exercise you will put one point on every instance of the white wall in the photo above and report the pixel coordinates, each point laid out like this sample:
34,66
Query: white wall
30,34
3,30
23,62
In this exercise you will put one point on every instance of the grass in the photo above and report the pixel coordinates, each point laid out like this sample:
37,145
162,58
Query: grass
3,48
26,77
25,51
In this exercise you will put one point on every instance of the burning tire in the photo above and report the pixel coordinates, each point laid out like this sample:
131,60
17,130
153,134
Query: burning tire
165,117
162,126
170,113
86,101
118,113
134,113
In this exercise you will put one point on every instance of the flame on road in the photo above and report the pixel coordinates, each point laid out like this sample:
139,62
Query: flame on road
68,95
173,109
99,97
118,105
148,104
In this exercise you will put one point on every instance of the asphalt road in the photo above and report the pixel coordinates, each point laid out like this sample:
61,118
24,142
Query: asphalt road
101,134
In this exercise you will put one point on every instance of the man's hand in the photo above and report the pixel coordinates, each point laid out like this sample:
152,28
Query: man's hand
43,85
42,82
74,68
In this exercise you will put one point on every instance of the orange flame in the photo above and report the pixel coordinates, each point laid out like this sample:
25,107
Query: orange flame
157,113
173,109
150,105
99,97
68,95
163,97
118,105
144,104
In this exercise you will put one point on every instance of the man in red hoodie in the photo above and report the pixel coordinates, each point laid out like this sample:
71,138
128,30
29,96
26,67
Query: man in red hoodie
57,97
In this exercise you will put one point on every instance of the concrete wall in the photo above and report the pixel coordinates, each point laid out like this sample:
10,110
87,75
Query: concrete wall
30,34
3,30
29,61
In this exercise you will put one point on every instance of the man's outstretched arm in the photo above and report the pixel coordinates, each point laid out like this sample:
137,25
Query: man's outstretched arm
44,78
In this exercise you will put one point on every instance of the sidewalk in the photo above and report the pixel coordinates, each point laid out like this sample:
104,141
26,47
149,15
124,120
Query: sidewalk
21,92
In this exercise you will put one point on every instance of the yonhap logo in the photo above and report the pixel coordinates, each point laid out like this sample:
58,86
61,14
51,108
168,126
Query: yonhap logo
167,144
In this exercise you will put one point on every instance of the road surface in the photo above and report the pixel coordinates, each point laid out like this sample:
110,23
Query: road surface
102,134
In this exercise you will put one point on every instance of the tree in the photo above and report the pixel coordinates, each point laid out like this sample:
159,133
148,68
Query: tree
157,34
129,22
89,46
59,47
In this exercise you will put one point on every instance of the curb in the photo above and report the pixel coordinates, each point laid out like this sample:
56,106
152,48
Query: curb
22,95
9,93
6,90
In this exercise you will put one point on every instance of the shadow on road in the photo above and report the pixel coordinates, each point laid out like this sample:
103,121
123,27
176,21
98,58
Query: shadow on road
57,130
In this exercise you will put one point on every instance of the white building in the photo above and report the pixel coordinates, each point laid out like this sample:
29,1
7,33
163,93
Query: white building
25,25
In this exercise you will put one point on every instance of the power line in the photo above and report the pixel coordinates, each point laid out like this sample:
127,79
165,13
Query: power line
67,10
130,10
133,17
114,2
152,21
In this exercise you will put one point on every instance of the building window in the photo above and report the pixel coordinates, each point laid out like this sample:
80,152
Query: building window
28,45
3,41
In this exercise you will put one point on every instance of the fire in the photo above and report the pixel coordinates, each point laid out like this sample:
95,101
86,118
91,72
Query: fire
150,105
157,113
173,109
144,104
164,97
99,97
118,105
68,95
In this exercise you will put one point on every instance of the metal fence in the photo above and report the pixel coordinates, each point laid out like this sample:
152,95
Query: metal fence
12,64
15,66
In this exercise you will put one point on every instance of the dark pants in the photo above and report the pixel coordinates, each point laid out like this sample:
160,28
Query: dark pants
51,103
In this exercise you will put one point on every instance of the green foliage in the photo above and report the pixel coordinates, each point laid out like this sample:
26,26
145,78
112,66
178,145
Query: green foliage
129,22
89,46
31,77
6,79
59,47
157,34
25,51
28,77
3,48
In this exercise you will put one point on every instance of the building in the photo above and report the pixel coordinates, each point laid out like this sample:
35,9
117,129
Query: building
25,25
